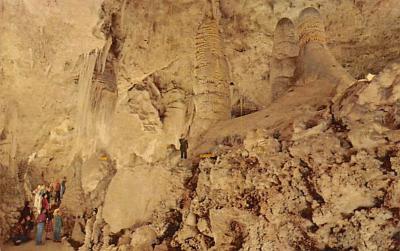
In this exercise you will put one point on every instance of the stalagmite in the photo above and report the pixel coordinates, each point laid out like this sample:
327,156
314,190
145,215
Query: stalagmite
100,91
88,233
106,237
77,234
284,55
315,61
98,223
175,111
211,91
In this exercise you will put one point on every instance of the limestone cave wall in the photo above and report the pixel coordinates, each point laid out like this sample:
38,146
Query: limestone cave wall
302,150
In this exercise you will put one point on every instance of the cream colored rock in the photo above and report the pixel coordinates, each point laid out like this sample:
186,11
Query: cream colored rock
203,227
77,233
134,194
143,238
229,226
88,235
94,170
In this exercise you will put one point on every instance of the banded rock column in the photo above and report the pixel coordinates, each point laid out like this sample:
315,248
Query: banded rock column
211,91
315,60
284,56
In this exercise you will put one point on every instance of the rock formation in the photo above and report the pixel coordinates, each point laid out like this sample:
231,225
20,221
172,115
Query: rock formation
315,62
98,95
284,55
309,160
211,92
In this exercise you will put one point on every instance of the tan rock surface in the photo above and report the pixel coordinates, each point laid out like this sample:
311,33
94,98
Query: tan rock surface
100,91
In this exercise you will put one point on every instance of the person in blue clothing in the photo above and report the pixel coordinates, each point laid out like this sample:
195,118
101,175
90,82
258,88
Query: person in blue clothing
41,221
57,225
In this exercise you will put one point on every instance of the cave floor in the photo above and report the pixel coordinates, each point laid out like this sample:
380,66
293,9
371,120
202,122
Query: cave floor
30,246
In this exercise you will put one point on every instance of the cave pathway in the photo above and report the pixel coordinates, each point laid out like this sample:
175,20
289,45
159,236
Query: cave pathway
30,246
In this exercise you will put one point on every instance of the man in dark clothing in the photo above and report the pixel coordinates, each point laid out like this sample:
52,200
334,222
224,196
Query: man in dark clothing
48,193
184,145
63,187
57,189
26,211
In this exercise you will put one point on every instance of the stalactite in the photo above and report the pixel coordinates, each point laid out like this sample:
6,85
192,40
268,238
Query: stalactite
98,94
84,124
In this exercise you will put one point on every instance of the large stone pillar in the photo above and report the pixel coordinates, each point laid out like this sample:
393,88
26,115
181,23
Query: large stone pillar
315,61
211,91
284,55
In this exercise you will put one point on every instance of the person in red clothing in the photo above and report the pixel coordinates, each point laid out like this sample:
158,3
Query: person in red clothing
49,222
45,203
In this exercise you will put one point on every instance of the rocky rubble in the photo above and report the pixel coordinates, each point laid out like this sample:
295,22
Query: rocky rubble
313,191
321,191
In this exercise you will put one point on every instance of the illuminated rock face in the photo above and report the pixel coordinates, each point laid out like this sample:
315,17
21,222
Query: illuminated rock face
211,91
284,55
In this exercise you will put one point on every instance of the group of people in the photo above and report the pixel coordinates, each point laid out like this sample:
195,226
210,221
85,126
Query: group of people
47,200
46,210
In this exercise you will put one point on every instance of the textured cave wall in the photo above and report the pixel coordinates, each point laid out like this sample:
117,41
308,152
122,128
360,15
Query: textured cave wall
102,95
42,49
38,71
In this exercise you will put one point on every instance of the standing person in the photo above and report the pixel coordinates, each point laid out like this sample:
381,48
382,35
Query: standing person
63,187
41,220
49,223
57,189
45,203
48,193
57,225
38,200
184,145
